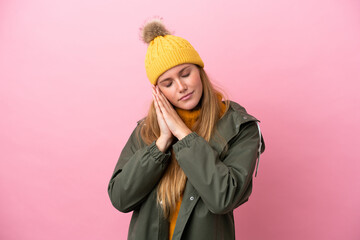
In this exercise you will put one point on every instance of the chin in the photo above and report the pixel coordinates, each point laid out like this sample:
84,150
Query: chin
188,105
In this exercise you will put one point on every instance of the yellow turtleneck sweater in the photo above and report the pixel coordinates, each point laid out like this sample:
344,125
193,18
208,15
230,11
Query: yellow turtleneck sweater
189,117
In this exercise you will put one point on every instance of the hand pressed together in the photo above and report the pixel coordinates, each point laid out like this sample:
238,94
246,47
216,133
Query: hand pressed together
169,121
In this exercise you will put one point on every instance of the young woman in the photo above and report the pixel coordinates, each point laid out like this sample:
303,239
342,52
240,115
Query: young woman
189,163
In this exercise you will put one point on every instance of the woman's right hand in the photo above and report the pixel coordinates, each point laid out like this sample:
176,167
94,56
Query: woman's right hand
166,137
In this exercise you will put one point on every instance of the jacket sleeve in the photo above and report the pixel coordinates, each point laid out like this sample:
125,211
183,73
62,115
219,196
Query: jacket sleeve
222,184
138,170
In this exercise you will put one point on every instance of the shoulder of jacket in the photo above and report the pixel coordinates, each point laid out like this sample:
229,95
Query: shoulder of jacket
241,116
141,120
241,112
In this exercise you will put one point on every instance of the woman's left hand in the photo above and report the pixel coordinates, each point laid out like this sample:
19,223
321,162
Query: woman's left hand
173,121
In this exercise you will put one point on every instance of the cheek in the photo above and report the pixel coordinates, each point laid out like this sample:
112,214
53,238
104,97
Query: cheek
169,95
198,84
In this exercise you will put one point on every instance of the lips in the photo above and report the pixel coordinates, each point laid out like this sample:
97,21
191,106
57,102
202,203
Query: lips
186,96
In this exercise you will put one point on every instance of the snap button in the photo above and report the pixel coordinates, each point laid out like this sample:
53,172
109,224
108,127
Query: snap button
191,198
244,117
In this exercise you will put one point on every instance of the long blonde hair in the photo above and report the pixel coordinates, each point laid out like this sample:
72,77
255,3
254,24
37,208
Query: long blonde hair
172,183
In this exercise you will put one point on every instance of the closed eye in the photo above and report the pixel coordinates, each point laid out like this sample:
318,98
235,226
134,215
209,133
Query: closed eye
186,75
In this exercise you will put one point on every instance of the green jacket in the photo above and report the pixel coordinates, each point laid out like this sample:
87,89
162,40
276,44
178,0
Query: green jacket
218,180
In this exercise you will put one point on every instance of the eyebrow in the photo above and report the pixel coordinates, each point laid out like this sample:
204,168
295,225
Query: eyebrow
180,72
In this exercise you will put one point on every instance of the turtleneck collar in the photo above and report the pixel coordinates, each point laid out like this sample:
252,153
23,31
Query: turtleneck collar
191,116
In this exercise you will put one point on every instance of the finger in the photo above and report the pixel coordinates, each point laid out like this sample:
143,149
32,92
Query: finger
160,103
168,104
154,90
163,99
156,105
154,95
164,110
158,95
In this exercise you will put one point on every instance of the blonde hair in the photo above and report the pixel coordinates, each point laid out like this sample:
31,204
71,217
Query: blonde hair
172,183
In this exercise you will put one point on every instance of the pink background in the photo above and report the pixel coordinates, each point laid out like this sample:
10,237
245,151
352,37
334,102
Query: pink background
73,85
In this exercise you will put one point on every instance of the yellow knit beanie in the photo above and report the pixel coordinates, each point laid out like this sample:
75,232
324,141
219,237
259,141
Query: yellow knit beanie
165,50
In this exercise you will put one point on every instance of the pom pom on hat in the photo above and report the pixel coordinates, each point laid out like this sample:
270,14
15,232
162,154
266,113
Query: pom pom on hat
153,28
164,50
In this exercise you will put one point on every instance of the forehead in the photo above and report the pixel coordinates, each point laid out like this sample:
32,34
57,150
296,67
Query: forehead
174,70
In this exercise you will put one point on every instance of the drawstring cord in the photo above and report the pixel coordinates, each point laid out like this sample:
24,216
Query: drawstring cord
259,150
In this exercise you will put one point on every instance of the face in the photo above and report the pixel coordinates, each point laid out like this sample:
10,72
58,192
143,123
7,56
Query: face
182,86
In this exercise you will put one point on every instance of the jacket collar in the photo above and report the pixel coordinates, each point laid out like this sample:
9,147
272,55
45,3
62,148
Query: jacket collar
229,125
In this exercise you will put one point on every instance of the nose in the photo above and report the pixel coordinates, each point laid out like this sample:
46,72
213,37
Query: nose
182,85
